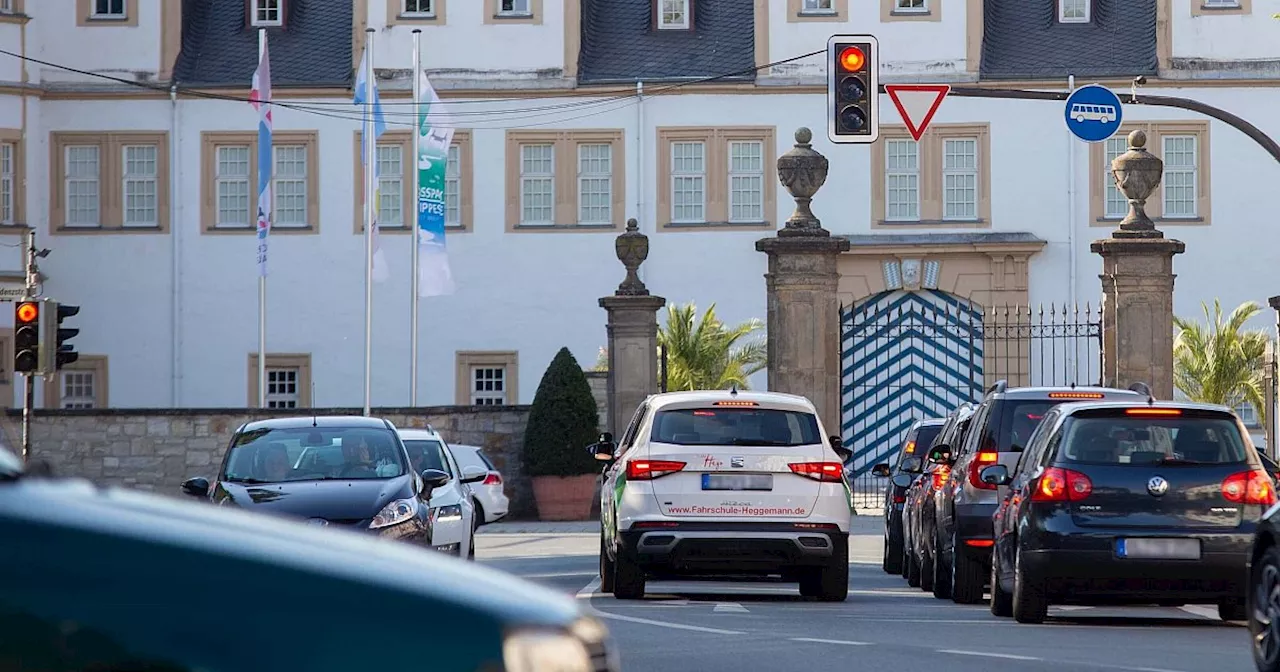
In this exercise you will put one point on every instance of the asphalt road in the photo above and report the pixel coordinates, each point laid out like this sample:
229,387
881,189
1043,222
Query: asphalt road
884,624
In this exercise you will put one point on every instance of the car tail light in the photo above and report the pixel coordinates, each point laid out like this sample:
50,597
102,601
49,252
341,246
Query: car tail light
647,470
1249,487
832,472
494,478
1153,411
910,448
979,543
940,476
984,459
1075,395
1062,485
899,499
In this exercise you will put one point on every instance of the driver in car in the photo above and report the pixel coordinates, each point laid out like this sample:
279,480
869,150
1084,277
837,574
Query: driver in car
275,462
358,456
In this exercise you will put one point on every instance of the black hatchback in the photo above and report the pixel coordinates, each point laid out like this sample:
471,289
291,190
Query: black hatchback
1123,503
348,471
915,444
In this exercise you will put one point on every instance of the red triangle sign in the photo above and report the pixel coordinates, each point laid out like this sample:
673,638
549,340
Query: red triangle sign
917,103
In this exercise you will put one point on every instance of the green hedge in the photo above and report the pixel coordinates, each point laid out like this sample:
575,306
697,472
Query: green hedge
563,421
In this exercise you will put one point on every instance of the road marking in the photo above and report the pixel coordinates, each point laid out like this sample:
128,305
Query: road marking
730,608
1201,610
1071,607
664,624
984,654
829,641
589,591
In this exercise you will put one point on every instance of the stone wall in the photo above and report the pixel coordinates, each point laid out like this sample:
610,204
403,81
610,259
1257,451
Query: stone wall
599,381
157,449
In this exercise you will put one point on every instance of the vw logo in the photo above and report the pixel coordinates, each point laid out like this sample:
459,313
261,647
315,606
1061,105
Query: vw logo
1157,486
318,522
736,462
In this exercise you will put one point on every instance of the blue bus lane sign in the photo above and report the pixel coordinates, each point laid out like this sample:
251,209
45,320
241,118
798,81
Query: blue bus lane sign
1093,113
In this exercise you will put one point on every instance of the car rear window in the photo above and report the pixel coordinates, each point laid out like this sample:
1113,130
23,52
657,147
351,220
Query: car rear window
923,438
735,427
1119,439
1010,429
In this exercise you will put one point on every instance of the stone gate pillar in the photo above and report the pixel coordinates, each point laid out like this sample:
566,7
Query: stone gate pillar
633,334
803,314
1137,281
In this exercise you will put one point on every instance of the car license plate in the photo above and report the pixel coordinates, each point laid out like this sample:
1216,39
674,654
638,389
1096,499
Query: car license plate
1164,549
737,481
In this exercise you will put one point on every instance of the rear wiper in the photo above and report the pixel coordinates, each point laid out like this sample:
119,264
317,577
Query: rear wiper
1177,460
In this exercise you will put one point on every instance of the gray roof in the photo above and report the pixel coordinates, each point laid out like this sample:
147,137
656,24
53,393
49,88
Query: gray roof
1024,40
319,421
620,44
219,49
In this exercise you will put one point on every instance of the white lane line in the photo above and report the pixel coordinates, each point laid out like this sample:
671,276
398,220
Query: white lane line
1070,607
664,624
984,654
829,641
730,608
589,591
1201,610
555,575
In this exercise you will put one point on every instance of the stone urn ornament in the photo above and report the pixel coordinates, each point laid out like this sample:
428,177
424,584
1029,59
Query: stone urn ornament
632,248
803,171
1137,173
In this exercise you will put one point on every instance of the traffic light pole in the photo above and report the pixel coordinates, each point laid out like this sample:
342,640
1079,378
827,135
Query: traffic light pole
28,398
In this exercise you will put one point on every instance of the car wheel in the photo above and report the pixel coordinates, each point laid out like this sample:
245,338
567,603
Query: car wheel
1264,614
913,570
1001,602
471,544
606,569
892,563
628,578
477,516
927,562
1232,610
829,583
966,576
1029,602
941,572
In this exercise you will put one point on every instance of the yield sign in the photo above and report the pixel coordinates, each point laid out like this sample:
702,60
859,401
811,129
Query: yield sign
917,103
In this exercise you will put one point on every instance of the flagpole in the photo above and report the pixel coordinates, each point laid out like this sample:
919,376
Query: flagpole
370,154
417,140
262,279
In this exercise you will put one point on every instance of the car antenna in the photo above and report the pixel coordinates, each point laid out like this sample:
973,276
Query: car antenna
733,390
1073,384
314,419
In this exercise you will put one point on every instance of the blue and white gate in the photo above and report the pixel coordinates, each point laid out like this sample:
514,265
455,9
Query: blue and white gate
906,355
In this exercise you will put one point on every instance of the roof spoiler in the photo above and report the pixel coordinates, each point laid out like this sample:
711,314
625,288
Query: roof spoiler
1143,389
1000,386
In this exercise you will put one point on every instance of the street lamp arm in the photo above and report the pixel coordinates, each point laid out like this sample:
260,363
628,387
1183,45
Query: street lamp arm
1220,114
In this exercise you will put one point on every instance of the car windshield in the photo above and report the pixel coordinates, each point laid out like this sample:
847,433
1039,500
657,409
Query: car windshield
919,446
735,427
1148,440
427,454
280,455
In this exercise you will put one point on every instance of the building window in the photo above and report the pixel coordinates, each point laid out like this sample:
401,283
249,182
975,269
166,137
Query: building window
1180,160
267,13
960,178
746,181
229,181
6,6
453,187
914,6
1222,4
82,185
108,9
817,7
487,378
1116,204
141,185
902,180
232,185
943,180
391,185
80,385
673,14
8,183
1074,11
77,390
688,182
418,8
1248,415
514,8
595,183
288,380
537,184
289,186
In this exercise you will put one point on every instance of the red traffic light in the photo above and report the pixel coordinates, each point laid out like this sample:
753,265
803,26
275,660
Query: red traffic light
852,59
28,311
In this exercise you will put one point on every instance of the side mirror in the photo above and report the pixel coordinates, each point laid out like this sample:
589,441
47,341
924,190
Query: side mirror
904,480
432,479
603,451
940,454
996,474
606,437
880,470
196,487
473,474
912,465
837,444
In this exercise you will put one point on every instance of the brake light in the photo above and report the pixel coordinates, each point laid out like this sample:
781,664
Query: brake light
911,447
647,470
980,543
899,499
1153,411
735,403
984,459
832,472
940,476
1249,487
1075,395
1062,485
494,478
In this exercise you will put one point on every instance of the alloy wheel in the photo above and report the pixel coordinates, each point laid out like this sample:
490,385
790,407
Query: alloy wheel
1266,614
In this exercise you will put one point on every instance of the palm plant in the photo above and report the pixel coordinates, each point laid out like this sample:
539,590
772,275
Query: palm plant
1220,362
707,354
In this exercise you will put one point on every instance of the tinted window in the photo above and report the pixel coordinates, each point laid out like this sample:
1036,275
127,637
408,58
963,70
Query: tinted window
314,453
1147,440
918,446
427,454
736,427
1011,428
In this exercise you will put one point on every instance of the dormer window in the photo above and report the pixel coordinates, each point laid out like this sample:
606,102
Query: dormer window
266,13
673,14
1073,11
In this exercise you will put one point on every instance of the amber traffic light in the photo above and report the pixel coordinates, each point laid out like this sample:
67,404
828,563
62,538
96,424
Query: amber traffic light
26,337
853,88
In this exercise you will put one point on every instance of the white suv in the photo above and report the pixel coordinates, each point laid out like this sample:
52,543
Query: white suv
724,483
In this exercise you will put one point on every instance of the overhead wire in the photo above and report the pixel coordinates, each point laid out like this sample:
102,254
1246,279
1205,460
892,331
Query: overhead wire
355,113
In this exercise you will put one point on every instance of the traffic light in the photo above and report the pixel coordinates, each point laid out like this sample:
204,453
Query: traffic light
26,337
57,352
853,89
